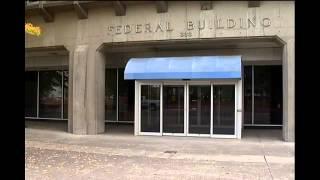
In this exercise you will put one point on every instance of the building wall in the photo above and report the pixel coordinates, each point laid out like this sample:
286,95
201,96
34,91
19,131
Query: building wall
46,62
68,30
83,37
266,56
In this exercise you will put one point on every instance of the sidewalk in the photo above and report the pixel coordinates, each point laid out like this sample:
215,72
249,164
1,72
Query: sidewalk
60,155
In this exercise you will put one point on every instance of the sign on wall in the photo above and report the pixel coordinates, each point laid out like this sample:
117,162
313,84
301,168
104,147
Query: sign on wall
205,24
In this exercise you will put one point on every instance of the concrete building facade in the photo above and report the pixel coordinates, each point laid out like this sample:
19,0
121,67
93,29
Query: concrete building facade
86,38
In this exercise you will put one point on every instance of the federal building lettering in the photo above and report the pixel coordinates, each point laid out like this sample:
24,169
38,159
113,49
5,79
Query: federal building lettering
203,24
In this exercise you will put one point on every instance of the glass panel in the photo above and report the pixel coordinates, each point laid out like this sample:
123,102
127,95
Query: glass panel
173,109
111,94
199,109
276,95
65,94
31,85
126,98
50,94
223,109
267,95
247,94
150,108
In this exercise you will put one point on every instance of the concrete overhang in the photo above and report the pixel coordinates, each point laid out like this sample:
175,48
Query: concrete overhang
162,6
193,44
46,51
206,5
48,8
253,4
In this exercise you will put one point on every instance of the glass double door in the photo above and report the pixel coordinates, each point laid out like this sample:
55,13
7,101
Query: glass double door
216,102
188,109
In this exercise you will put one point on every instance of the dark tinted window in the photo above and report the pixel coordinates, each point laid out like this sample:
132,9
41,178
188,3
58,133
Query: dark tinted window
267,95
150,108
31,83
199,109
126,98
247,95
50,94
173,109
223,109
65,94
111,94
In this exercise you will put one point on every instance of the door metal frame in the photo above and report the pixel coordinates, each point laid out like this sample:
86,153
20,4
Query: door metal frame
139,108
184,84
204,83
237,130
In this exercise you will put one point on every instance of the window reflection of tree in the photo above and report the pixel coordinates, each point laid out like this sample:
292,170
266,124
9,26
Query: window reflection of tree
65,78
65,93
50,94
51,84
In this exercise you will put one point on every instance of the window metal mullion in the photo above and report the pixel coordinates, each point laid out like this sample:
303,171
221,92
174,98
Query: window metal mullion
161,108
187,108
219,105
139,106
252,89
38,94
236,130
211,109
117,110
62,99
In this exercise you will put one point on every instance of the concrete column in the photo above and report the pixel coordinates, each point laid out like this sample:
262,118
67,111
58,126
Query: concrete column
86,91
70,92
100,93
288,70
78,83
95,92
136,108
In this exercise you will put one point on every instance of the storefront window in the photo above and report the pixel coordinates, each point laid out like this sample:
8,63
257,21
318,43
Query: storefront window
50,94
267,99
111,94
65,93
247,94
125,97
31,85
267,95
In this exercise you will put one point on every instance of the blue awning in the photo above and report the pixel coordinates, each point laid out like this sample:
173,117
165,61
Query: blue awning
195,67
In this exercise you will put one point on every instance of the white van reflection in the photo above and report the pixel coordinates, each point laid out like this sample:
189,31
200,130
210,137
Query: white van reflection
153,104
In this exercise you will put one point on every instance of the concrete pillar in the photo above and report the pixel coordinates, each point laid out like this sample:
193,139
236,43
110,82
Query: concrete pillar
95,92
78,82
288,70
100,93
136,108
70,92
86,91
